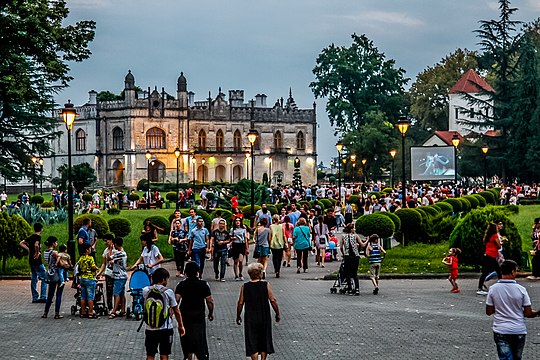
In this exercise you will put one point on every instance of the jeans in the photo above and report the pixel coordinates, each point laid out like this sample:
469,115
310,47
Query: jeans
509,347
179,259
220,256
54,287
302,258
489,264
88,289
62,275
38,272
199,257
277,258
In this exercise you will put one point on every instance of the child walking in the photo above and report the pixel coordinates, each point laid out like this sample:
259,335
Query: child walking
374,252
63,263
452,262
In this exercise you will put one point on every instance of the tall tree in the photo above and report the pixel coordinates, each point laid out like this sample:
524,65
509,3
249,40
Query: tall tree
356,80
429,93
35,49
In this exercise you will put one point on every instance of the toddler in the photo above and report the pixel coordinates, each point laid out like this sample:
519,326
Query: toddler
452,261
63,263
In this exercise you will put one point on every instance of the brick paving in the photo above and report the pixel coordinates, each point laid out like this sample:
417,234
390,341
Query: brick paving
409,319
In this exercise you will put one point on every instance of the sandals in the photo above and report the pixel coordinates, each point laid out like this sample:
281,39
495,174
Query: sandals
57,316
93,316
44,316
113,315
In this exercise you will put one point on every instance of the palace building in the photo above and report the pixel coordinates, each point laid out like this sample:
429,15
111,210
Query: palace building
211,134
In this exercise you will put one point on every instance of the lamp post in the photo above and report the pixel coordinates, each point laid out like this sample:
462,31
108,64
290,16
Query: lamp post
40,162
193,165
34,161
332,166
252,137
177,155
68,114
269,171
231,169
485,149
364,161
339,148
403,126
455,142
148,157
393,154
344,160
203,161
248,156
353,160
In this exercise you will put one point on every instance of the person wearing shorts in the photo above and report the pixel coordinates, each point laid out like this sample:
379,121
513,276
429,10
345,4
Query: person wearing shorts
119,262
374,252
239,247
161,339
87,268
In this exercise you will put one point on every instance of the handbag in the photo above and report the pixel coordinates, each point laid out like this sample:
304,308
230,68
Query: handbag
108,271
256,252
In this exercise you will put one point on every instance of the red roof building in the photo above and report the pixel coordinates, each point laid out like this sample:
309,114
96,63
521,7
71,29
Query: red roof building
471,83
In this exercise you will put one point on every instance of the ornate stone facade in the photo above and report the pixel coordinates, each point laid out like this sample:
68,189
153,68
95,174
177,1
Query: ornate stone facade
114,136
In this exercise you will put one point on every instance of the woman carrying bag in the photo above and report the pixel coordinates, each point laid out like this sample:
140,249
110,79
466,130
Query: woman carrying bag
302,244
55,286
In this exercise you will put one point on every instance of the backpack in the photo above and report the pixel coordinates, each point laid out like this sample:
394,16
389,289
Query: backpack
156,309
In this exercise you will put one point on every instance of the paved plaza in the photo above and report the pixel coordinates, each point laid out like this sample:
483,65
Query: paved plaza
409,319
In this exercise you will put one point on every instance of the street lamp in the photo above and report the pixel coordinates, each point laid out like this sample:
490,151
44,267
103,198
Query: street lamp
177,155
353,160
485,149
252,137
193,164
148,157
69,114
364,161
344,160
393,154
269,171
403,126
231,169
34,161
40,162
203,161
339,148
455,142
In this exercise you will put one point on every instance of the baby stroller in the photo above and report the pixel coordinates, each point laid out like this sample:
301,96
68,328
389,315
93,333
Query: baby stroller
331,252
138,281
99,298
341,281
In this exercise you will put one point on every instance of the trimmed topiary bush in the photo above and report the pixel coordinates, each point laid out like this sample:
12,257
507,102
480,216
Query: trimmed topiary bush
457,206
272,208
246,211
431,210
375,224
171,196
160,222
326,203
469,233
472,200
444,206
353,199
512,209
37,199
114,211
395,219
98,223
374,193
120,227
87,197
411,224
489,196
465,204
133,197
47,204
425,215
13,230
481,201
441,227
387,190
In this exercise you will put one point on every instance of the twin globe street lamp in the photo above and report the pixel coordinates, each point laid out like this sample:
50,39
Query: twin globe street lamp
252,137
403,126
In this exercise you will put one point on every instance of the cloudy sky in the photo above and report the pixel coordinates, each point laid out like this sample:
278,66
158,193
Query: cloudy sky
264,46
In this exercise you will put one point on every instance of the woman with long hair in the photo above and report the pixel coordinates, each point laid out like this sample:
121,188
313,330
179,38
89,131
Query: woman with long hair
320,230
262,243
50,257
350,245
239,247
150,256
492,245
277,243
288,234
302,244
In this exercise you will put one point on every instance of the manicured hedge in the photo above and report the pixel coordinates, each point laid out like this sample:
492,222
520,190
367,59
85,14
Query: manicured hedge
160,222
457,205
120,227
98,223
481,201
395,219
326,203
472,200
411,224
113,211
444,206
37,199
375,224
489,196
465,204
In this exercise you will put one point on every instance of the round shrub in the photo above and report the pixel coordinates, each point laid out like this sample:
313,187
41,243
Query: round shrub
496,191
246,210
225,214
333,201
160,222
133,197
444,206
120,227
387,190
425,215
171,196
457,206
481,201
98,223
395,219
353,199
375,224
512,209
374,193
37,199
431,210
207,219
87,197
210,196
326,203
113,211
273,209
411,224
47,204
465,204
472,200
488,196
469,233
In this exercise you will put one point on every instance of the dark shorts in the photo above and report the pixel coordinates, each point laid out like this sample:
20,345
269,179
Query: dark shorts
237,249
161,339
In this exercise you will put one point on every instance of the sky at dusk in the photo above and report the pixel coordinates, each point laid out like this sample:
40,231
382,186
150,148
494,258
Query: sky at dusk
264,46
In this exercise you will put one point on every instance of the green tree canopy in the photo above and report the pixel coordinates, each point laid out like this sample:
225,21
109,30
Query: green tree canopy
36,46
356,80
82,176
429,93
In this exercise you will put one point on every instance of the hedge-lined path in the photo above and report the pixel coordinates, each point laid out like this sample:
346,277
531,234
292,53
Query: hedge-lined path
409,319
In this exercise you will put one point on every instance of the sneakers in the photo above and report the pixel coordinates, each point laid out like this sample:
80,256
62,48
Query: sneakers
241,278
375,291
298,271
481,292
454,290
284,263
222,280
236,278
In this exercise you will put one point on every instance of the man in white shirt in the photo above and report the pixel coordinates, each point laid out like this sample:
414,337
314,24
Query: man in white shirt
511,304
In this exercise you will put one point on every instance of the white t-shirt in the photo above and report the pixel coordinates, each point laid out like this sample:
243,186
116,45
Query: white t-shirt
3,197
170,299
509,298
150,257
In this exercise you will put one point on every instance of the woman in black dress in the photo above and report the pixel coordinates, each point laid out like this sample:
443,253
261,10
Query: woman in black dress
193,293
256,294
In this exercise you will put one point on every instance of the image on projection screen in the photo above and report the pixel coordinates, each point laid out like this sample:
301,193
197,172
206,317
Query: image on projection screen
432,163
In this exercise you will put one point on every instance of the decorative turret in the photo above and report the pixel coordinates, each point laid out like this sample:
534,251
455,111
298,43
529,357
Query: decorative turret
291,104
182,83
129,88
181,92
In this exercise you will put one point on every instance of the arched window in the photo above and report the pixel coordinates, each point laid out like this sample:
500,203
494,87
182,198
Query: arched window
156,171
278,141
118,169
220,173
237,141
118,139
300,141
202,140
155,138
80,140
219,140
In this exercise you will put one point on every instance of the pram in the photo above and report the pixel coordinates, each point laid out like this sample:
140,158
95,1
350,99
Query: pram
341,281
331,252
99,298
138,281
